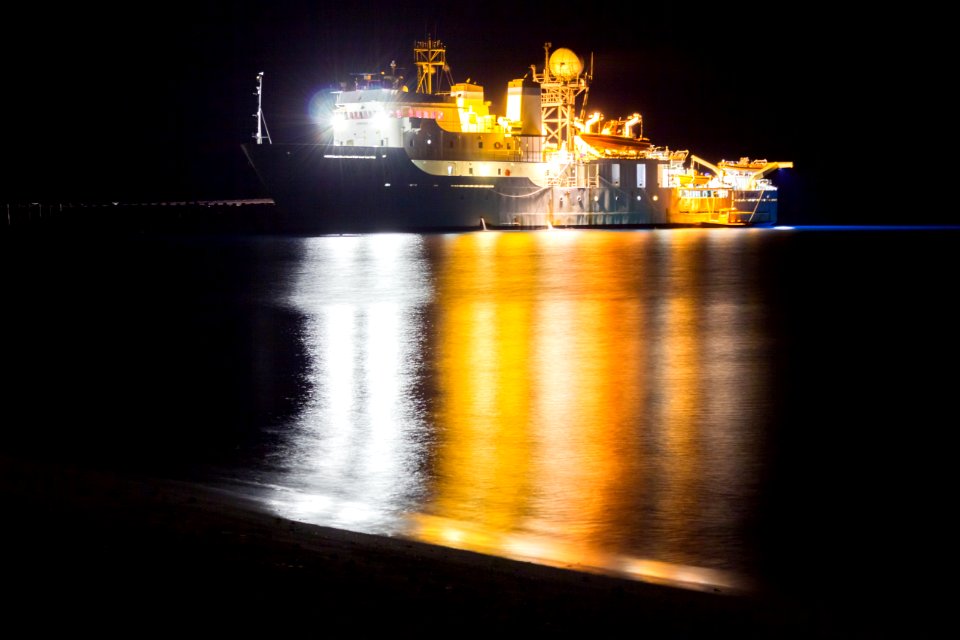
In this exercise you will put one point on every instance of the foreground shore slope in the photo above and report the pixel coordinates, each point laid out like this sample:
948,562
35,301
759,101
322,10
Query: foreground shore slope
88,549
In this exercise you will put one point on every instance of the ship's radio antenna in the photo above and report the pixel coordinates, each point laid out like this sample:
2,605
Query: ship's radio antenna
261,120
586,91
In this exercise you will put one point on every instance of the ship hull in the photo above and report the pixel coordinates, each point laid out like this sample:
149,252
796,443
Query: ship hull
344,189
328,189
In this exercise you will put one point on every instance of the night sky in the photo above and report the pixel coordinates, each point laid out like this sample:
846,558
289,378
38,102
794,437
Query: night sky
150,101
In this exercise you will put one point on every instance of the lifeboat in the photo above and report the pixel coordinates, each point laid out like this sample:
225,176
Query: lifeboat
616,137
691,180
616,144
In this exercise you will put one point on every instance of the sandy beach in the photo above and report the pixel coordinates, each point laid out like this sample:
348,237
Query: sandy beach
100,551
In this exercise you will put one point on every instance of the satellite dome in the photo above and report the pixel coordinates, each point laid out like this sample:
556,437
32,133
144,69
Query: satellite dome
565,64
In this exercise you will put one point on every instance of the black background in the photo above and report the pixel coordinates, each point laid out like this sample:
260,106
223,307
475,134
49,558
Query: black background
150,101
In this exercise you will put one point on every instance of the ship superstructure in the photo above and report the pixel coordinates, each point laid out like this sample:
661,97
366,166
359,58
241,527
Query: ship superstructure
438,158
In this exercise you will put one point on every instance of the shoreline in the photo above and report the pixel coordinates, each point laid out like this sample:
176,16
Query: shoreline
150,547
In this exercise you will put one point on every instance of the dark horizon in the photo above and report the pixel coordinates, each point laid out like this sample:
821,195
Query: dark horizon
153,103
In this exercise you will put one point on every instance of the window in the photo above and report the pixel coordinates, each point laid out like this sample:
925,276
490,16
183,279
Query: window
615,174
641,175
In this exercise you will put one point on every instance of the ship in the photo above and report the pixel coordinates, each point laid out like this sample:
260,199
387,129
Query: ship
434,157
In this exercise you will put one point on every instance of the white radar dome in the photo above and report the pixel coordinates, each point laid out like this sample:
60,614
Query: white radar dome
565,64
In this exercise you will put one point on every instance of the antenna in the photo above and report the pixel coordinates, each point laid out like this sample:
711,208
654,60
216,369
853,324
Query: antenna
586,91
261,120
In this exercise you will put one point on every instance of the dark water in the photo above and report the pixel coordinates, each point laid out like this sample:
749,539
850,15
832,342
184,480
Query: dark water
727,408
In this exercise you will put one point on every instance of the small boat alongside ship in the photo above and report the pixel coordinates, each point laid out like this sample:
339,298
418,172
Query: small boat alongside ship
437,158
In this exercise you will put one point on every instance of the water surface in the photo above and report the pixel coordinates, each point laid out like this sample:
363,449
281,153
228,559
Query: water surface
720,408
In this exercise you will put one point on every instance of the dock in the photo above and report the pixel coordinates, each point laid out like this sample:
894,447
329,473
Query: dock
225,215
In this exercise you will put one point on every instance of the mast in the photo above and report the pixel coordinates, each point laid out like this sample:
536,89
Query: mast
261,121
562,80
430,57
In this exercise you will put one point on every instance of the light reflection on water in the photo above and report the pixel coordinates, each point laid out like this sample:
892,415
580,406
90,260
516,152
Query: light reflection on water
353,458
588,399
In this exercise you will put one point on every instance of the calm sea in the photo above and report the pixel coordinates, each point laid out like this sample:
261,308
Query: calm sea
721,408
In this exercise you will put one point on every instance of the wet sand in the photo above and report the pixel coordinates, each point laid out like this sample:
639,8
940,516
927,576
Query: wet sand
111,553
